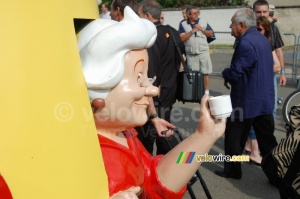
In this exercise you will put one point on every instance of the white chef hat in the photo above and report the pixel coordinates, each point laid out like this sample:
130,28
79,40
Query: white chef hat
103,45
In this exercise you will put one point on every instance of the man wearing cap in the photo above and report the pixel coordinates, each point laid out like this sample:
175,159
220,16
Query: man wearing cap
274,20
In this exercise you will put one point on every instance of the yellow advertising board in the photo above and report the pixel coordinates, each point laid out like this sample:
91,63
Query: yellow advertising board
48,141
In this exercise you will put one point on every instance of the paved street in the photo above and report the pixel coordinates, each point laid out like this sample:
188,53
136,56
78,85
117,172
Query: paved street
253,184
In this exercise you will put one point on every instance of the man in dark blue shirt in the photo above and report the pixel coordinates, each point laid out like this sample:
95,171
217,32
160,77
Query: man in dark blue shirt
250,77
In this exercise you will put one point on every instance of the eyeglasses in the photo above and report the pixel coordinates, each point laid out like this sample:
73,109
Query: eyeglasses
145,82
260,29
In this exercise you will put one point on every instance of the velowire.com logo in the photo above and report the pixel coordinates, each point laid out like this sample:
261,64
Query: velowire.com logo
187,158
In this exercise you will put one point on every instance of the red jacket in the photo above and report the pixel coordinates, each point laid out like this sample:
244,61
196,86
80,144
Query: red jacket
133,167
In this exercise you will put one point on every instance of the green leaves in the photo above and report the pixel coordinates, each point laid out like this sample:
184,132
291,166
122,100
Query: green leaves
199,3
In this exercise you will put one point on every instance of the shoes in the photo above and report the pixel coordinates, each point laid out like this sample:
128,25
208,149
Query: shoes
228,175
247,152
254,163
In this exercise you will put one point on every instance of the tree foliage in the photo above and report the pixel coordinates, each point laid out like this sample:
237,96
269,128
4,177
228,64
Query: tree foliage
199,3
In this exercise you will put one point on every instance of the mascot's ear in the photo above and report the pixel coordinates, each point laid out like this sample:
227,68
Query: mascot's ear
98,103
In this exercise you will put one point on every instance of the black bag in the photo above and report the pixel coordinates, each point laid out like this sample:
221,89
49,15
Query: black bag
282,164
190,86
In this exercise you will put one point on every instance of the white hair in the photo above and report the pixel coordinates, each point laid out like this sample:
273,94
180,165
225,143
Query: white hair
103,45
245,15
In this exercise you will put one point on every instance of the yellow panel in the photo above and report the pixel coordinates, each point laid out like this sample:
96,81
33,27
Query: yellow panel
48,141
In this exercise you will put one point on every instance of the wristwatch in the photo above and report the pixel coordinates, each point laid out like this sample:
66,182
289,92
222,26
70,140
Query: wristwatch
153,116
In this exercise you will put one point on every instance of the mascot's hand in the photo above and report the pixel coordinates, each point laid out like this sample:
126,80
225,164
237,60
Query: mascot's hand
130,193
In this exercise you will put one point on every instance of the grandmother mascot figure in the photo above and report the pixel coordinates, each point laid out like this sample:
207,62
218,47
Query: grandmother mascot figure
115,63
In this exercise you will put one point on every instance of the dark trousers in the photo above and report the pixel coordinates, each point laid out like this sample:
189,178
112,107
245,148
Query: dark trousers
237,132
148,134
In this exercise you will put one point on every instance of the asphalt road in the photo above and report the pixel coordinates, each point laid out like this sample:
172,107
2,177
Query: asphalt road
254,183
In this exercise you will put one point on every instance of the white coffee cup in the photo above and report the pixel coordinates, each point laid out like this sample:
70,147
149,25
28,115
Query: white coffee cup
220,106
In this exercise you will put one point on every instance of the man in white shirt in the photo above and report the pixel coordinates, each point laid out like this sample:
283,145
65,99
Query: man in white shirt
194,33
105,14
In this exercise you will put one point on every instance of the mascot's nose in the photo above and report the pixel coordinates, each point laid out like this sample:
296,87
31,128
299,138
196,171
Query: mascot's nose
151,91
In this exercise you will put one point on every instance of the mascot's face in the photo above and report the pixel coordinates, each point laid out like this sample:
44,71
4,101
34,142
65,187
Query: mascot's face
126,103
118,73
